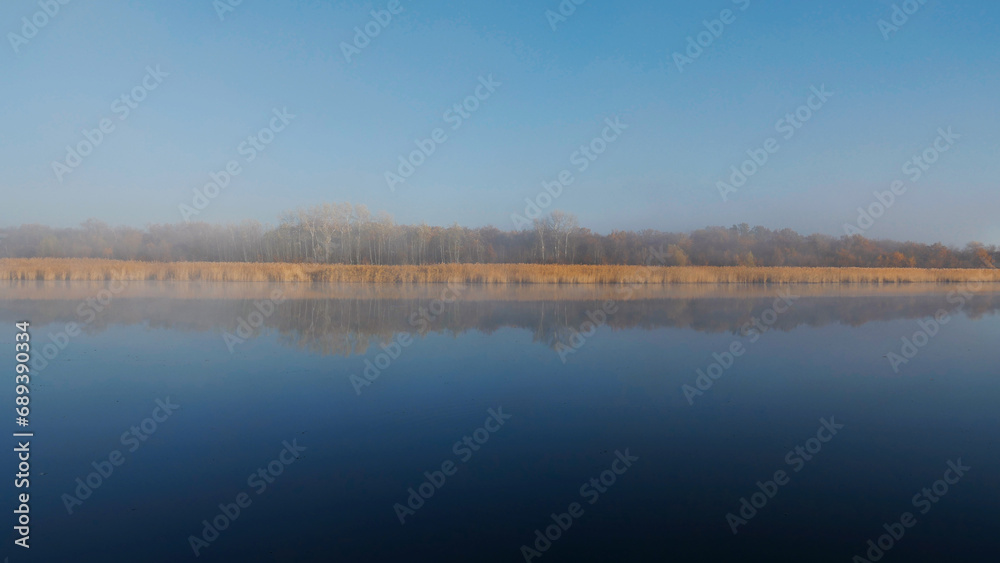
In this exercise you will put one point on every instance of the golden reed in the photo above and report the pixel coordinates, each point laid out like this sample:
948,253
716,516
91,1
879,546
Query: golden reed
86,269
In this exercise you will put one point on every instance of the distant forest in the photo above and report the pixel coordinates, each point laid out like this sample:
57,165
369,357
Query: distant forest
341,233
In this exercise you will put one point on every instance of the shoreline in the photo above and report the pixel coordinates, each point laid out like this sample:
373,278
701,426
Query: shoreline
96,269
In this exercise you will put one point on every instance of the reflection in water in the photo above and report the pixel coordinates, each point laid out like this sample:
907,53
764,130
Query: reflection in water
348,320
490,348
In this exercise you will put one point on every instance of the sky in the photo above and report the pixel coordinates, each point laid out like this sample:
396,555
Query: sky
315,101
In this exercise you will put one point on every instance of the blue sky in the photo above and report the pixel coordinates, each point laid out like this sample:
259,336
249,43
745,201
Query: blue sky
353,120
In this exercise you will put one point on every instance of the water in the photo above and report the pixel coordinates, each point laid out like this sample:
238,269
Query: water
481,356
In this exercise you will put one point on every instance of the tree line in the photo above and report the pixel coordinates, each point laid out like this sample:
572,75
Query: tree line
342,233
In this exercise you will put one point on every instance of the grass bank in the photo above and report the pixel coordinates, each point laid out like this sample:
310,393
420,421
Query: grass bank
76,269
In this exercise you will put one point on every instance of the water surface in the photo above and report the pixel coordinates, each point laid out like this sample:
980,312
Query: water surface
574,374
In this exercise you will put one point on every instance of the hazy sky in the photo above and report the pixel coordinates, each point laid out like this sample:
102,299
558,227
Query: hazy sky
216,81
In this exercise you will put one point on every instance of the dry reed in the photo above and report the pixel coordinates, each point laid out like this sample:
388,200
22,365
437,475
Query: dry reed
77,269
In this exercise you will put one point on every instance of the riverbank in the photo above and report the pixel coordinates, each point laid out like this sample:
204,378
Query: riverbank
77,269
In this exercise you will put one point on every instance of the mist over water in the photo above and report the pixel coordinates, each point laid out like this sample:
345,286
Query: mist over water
558,281
572,396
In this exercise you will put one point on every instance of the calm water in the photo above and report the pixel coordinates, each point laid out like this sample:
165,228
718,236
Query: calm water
487,366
